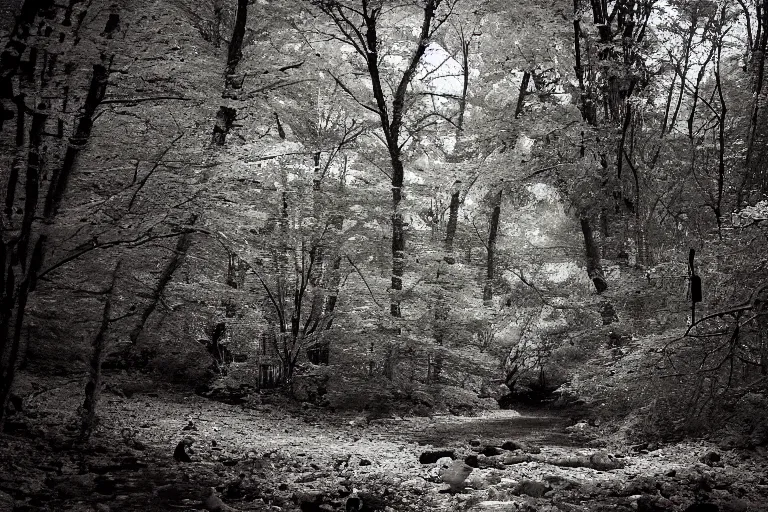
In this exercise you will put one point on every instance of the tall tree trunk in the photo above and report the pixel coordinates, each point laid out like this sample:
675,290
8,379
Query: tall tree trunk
32,188
10,58
316,171
586,103
20,264
490,268
13,181
398,269
19,270
173,264
235,50
21,112
756,177
316,277
721,117
332,293
620,151
225,116
392,128
439,328
683,76
60,177
359,26
521,95
98,345
594,269
643,249
398,235
453,220
398,262
696,88
324,282
218,8
465,43
592,92
23,253
14,303
11,343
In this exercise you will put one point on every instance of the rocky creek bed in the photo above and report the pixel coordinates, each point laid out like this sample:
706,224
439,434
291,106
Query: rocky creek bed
263,456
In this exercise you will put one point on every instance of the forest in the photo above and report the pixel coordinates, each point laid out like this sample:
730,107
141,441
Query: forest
360,255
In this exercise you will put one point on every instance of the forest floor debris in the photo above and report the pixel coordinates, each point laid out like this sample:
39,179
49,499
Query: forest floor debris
266,456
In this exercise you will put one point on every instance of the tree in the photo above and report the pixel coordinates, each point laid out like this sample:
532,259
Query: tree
10,59
93,386
24,243
493,230
359,25
235,49
362,25
610,70
757,46
299,298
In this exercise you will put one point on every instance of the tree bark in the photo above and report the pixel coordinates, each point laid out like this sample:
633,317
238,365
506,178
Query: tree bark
235,50
453,217
22,255
113,23
392,129
594,269
696,88
12,309
21,112
173,264
280,130
359,27
316,174
439,328
28,67
67,21
93,386
11,343
32,187
620,153
218,7
721,117
490,268
10,58
683,76
756,177
321,352
522,93
465,43
398,263
60,178
10,192
17,270
586,103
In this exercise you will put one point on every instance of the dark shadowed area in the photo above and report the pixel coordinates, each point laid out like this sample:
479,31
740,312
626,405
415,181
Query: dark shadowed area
380,255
